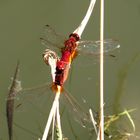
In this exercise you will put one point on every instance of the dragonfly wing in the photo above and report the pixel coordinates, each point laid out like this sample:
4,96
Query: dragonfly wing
93,47
33,98
51,39
79,113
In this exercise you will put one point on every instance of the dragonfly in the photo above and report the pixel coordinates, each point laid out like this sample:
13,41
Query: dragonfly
69,49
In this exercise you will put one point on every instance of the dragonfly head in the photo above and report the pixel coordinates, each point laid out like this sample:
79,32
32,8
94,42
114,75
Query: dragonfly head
76,36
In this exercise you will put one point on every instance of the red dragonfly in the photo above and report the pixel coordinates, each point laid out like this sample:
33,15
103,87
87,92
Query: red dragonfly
69,49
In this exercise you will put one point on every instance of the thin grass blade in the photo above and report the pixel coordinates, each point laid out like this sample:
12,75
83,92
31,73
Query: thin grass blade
14,89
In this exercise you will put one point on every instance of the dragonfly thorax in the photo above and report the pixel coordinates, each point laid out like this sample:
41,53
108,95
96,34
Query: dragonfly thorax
70,44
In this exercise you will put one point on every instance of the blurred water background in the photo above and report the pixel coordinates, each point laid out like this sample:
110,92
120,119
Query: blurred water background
21,25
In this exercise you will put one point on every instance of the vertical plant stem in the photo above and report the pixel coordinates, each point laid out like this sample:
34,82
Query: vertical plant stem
58,116
101,127
53,124
52,112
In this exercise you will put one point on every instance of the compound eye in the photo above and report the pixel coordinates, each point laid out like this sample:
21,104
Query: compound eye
75,35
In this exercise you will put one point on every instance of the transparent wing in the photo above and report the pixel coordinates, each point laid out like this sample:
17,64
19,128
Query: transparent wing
38,100
51,39
76,109
34,98
93,47
30,103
